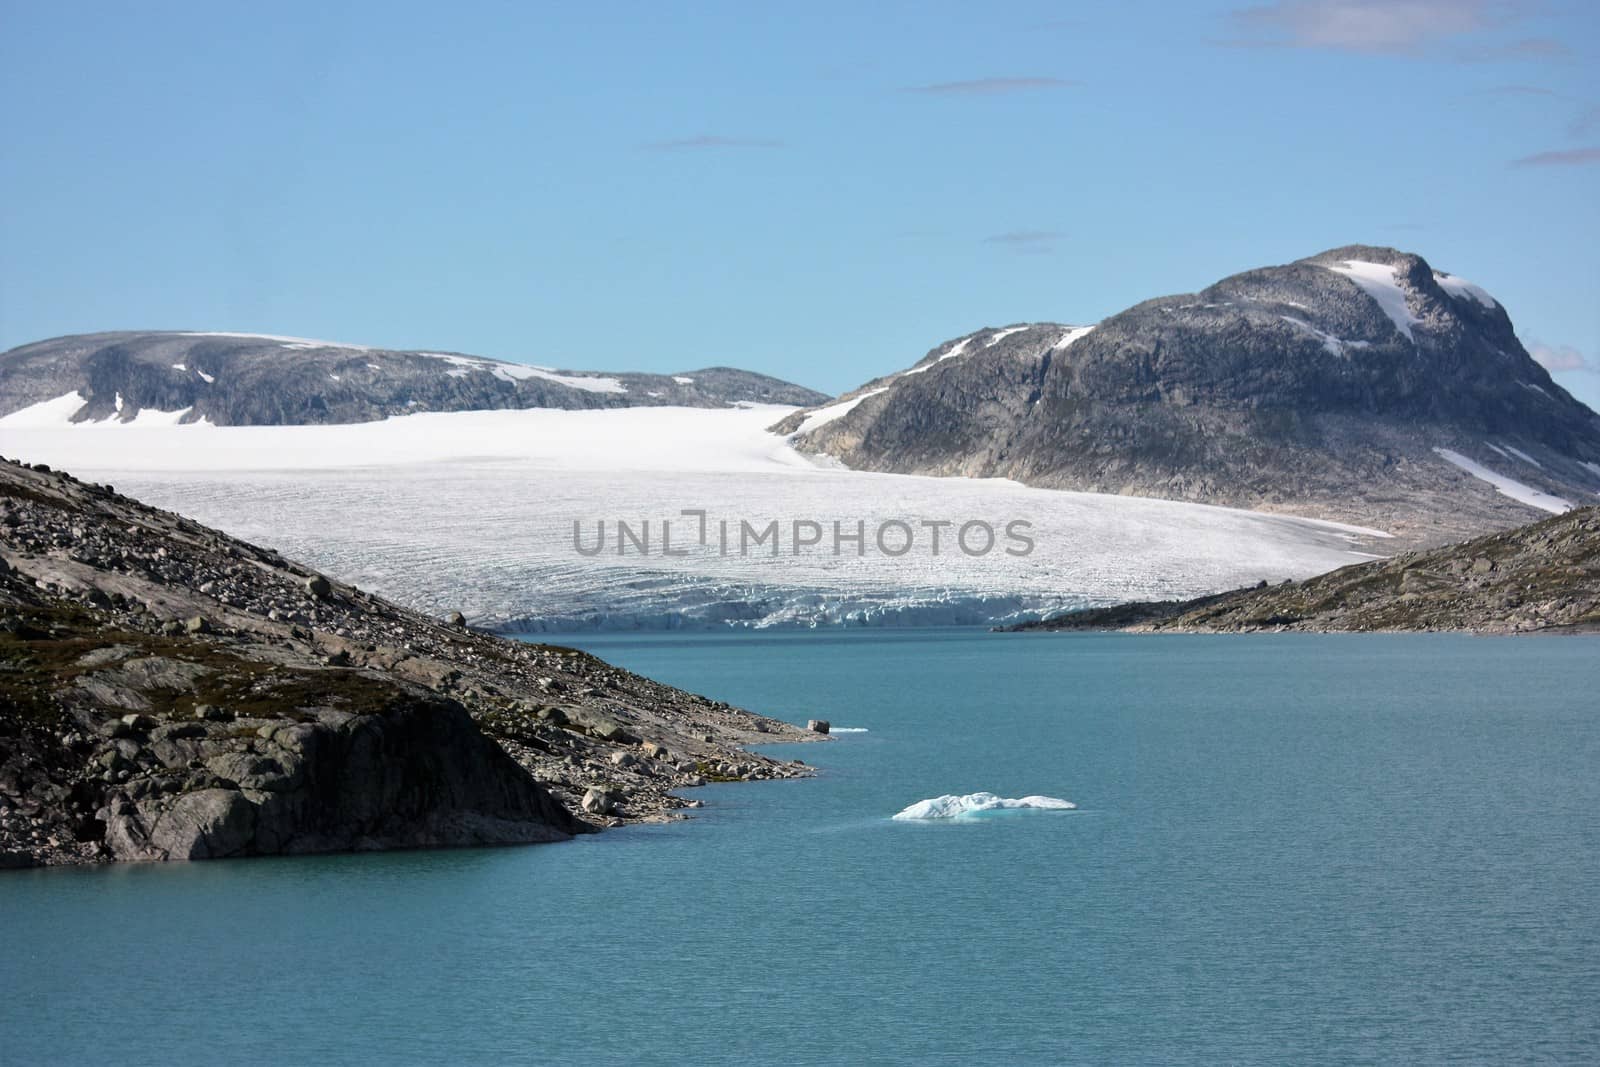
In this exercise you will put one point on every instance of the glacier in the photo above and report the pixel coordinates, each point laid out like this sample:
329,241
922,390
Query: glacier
476,511
954,806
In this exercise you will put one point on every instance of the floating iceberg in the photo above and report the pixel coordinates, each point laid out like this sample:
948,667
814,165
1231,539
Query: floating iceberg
951,806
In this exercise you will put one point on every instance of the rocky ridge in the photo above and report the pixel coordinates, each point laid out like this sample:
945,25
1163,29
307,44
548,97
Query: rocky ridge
254,380
168,692
1325,387
1543,577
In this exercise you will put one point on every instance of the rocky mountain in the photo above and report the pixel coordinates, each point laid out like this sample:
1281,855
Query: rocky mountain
1360,385
168,692
1541,577
253,380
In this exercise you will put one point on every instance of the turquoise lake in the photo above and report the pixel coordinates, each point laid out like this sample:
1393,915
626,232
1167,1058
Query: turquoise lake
1287,849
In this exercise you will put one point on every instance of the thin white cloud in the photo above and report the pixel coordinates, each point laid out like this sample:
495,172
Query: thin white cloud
1587,122
1560,358
1527,48
1518,90
709,140
1570,157
1389,27
1027,242
993,86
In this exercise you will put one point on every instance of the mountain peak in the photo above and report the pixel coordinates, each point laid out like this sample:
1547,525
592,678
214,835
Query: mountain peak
1331,386
266,379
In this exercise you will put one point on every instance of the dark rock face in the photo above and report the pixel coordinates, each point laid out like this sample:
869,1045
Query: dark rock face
235,380
1295,388
417,774
1541,577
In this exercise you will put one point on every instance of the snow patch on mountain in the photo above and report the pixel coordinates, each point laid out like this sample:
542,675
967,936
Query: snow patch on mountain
1462,289
1378,281
822,416
1072,334
1523,494
522,371
47,414
149,418
956,350
286,342
515,372
1000,335
1520,454
58,414
1334,345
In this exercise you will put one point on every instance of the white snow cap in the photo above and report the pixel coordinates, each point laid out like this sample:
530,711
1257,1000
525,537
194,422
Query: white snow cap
822,416
515,372
1000,335
956,350
1072,334
286,342
1379,281
1462,289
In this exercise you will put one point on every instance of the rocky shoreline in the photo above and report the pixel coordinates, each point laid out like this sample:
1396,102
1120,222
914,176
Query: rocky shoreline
1540,578
169,692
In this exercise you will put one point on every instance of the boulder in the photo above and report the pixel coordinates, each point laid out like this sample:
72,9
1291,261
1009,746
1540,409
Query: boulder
623,759
319,587
818,726
608,730
599,801
456,619
207,824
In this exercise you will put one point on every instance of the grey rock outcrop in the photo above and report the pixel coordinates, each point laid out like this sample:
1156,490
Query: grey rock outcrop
251,380
1298,388
305,715
417,774
1543,577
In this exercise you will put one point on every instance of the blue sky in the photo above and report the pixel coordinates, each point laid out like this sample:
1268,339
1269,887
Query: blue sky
820,191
